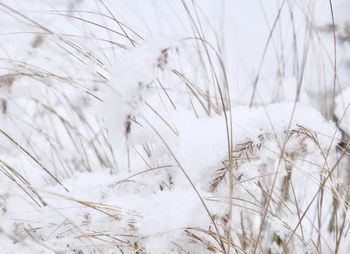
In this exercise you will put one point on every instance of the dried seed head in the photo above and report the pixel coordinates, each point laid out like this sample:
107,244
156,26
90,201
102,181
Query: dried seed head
128,125
6,81
162,59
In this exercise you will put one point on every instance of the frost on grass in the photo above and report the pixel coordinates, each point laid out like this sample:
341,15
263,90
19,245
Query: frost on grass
134,148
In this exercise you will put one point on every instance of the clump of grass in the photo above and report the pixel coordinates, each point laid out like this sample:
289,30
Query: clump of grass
262,211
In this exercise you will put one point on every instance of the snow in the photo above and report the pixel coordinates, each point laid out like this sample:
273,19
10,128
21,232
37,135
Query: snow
126,148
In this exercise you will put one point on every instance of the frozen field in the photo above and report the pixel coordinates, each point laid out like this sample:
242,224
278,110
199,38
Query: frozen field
169,126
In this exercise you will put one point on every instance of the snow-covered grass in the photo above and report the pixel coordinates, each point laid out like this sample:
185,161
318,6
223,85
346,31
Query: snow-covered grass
174,126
